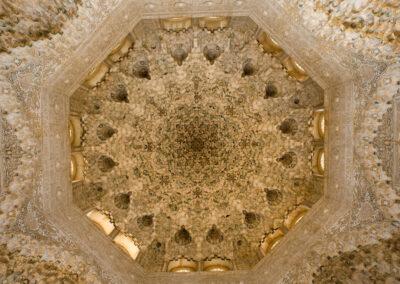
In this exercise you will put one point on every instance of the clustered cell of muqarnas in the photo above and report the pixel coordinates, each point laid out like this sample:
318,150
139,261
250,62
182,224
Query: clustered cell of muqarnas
193,143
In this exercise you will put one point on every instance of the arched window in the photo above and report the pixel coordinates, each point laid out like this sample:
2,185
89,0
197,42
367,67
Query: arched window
321,161
318,161
73,170
182,265
295,216
268,43
321,124
96,75
121,49
75,131
213,23
318,124
271,240
217,264
76,167
177,24
295,70
101,220
127,244
71,132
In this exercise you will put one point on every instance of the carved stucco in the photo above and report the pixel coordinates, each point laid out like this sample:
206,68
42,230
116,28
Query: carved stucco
33,85
23,22
198,145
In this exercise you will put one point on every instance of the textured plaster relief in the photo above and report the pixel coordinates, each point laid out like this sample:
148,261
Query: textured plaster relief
383,142
396,136
23,22
375,214
19,109
11,155
18,158
368,27
16,268
36,260
41,262
20,98
380,123
183,148
375,263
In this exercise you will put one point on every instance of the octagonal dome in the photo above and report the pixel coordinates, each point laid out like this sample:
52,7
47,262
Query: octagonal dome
199,141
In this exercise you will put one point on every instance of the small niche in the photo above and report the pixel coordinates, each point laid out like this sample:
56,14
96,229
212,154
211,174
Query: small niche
141,69
122,200
179,54
183,237
274,196
288,160
106,164
288,126
105,131
211,52
271,91
214,235
145,221
248,68
251,219
120,94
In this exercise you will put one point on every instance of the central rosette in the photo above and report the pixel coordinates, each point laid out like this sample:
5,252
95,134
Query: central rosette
200,158
197,144
200,147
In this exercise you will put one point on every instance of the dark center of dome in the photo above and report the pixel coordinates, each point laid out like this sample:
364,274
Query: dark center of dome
200,147
197,144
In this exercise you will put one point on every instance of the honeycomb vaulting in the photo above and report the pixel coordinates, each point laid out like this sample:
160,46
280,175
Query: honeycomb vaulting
188,153
141,138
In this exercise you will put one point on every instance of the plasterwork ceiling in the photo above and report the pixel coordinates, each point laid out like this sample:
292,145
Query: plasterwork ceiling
28,104
199,155
383,141
23,22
